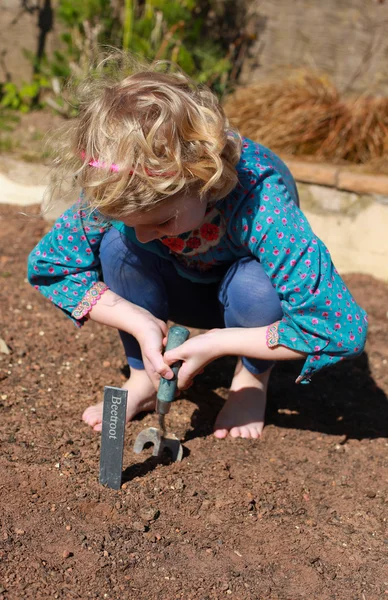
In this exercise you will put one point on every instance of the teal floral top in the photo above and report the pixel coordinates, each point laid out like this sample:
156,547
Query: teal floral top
259,218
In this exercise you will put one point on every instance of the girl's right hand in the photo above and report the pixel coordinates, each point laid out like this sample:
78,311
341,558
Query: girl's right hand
151,333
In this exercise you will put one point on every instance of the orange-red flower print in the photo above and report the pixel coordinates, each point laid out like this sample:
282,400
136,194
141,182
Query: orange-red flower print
193,242
209,231
176,244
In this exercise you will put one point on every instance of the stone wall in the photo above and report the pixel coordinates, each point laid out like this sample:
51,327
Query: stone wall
18,32
347,39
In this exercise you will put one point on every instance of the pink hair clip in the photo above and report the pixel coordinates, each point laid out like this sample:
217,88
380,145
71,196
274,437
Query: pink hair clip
115,168
99,164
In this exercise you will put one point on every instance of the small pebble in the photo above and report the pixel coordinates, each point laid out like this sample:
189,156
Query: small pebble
150,514
138,526
66,554
370,494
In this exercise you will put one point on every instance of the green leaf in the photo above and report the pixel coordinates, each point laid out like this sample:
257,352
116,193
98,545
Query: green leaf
186,61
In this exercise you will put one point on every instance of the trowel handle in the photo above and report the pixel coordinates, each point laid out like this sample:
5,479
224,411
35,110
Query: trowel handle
167,387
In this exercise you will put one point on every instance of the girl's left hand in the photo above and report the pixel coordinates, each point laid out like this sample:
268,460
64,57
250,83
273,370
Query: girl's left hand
196,353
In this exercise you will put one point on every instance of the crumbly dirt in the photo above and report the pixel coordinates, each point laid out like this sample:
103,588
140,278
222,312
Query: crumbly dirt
299,514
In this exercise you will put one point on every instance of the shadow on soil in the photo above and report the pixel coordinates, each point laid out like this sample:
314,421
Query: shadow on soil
147,465
343,400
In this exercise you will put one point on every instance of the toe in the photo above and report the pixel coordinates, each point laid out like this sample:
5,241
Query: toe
235,432
241,432
245,432
92,416
98,427
254,432
220,433
88,416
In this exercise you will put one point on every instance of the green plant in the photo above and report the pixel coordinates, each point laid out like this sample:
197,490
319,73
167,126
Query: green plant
22,98
154,29
176,30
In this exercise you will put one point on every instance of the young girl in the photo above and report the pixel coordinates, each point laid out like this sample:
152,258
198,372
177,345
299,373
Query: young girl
181,219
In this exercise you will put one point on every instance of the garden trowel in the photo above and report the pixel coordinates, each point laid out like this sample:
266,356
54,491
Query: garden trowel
160,438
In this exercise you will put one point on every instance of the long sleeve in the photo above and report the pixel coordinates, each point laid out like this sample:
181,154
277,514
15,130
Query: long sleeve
320,316
65,264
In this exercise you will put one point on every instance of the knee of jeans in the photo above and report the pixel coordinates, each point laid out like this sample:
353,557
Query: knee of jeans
248,296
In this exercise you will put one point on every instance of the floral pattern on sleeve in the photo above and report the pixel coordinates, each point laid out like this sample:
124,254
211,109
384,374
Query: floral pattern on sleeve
321,317
65,263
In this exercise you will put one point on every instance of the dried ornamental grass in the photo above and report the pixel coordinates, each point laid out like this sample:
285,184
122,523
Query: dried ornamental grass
305,115
361,133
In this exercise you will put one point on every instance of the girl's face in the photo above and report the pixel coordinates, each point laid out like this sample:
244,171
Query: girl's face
178,214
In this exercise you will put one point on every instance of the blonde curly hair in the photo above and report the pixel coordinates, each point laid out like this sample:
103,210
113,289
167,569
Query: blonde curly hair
142,137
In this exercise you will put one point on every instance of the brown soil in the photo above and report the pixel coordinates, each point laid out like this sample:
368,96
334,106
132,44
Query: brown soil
300,514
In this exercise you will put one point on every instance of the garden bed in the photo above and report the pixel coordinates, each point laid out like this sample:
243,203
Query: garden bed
299,514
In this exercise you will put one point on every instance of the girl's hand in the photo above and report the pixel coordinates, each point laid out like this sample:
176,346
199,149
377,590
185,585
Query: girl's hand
114,311
151,334
196,353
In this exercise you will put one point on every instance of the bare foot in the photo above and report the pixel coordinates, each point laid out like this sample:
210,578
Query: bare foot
141,397
244,411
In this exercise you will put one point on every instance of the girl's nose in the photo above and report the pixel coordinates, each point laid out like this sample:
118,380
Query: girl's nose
145,234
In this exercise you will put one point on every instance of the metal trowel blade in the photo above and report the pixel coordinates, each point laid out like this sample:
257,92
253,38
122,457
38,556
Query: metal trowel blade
153,436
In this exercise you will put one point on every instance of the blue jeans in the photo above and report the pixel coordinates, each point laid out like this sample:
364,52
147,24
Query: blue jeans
244,298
